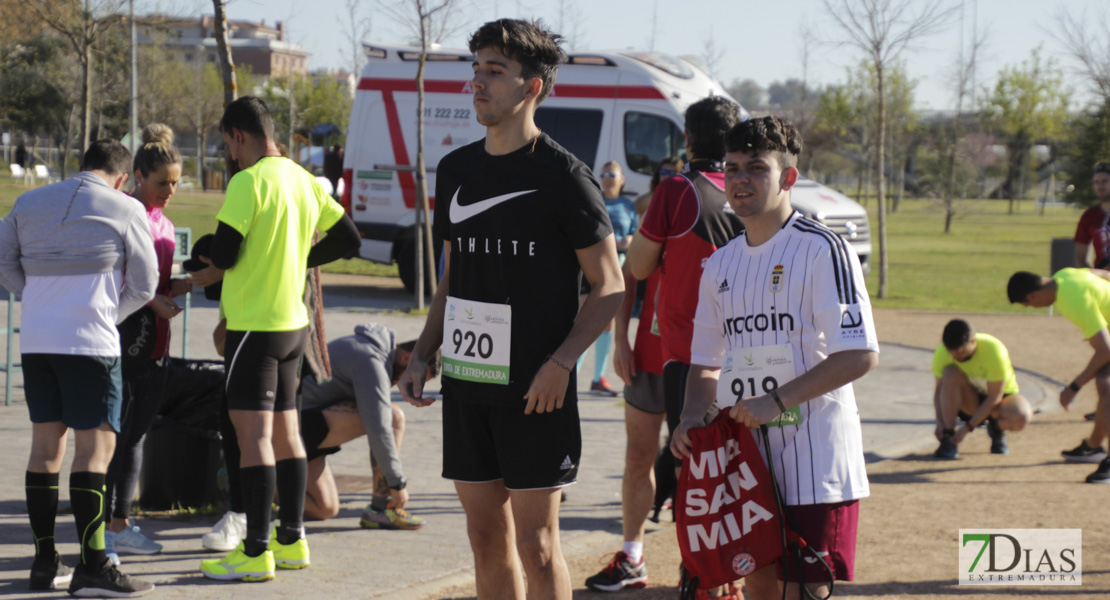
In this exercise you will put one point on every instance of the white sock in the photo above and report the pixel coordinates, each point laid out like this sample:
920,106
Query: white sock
635,551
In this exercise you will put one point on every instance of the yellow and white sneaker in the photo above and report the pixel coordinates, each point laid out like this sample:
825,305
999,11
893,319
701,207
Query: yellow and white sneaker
237,566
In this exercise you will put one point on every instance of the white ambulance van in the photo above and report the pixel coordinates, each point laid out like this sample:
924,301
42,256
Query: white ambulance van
625,106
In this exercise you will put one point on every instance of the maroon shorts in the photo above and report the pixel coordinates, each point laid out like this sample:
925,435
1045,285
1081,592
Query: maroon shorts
830,530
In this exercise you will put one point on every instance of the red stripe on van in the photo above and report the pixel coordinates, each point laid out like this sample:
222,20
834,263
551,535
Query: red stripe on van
441,86
628,92
400,153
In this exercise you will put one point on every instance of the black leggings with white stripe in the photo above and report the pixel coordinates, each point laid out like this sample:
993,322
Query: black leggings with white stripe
262,369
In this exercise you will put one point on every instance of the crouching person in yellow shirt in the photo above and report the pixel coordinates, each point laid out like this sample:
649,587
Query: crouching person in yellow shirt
976,383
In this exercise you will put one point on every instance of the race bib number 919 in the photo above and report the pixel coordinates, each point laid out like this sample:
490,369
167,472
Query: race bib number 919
476,341
751,372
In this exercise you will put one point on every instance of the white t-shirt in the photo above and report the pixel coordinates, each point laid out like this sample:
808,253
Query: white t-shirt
803,287
71,314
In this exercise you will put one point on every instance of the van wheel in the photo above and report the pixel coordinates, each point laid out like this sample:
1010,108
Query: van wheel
406,266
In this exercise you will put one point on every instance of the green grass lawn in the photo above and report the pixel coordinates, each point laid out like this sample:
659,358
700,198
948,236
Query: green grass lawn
967,269
963,271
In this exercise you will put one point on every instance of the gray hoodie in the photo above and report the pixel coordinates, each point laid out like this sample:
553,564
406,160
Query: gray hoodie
80,226
362,369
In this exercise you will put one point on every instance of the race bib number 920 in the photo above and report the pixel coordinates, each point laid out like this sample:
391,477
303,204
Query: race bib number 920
476,341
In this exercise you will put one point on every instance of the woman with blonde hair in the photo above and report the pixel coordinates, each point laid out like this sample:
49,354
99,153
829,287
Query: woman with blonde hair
144,340
622,214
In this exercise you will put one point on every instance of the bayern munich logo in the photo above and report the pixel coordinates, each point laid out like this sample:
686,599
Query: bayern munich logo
743,564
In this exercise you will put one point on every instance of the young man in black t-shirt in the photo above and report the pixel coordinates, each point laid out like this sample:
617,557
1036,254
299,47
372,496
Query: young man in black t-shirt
519,217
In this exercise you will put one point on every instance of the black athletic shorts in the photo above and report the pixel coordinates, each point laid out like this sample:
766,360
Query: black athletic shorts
966,418
262,369
314,429
646,393
83,392
674,391
674,396
484,442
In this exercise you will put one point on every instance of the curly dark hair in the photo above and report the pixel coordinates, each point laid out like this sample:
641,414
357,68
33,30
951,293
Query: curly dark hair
531,44
766,134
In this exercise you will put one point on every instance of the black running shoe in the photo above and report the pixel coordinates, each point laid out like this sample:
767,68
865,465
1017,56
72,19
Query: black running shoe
619,574
1084,453
947,450
106,582
1102,474
998,437
49,573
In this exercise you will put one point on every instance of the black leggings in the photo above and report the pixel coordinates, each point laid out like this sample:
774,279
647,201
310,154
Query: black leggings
262,368
143,391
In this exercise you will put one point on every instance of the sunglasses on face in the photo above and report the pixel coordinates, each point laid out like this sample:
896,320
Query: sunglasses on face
667,172
608,175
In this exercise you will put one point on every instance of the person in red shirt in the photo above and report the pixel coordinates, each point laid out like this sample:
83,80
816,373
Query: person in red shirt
641,368
1094,225
687,220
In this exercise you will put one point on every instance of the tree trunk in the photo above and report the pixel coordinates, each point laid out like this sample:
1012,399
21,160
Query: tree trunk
425,259
883,260
200,156
86,97
227,63
68,143
950,185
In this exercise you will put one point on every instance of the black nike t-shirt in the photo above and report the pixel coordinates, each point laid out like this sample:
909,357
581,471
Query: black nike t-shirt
514,222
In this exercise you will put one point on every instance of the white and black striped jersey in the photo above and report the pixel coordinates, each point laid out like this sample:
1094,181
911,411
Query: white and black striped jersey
803,287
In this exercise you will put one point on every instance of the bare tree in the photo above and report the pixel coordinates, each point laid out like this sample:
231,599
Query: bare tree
882,30
654,25
355,23
82,25
223,50
1088,42
568,22
711,54
431,22
964,74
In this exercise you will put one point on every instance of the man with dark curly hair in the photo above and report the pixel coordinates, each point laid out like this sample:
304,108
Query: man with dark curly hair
783,327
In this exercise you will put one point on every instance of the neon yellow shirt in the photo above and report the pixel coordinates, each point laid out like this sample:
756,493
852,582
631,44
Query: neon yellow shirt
277,206
1084,298
991,362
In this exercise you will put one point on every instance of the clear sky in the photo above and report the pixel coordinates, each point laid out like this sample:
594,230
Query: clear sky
760,39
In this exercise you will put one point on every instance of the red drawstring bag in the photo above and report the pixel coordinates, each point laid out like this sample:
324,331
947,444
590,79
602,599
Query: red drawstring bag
726,514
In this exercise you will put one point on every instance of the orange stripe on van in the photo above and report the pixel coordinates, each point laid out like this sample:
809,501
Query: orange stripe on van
442,86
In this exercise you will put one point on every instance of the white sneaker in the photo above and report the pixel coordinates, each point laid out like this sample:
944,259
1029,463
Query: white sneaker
227,533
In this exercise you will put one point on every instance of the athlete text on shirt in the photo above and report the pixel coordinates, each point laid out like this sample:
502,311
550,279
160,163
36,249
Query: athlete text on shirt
493,246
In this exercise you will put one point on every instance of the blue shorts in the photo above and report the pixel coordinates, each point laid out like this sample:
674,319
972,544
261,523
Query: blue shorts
83,392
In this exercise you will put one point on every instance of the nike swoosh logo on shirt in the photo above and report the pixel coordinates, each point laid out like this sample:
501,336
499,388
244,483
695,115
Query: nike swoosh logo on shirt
461,213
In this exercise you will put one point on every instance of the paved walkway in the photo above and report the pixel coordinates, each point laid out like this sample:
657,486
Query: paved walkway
348,562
